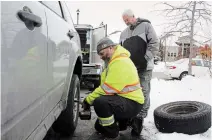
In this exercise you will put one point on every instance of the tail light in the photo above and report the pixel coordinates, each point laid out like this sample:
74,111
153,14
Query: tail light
172,67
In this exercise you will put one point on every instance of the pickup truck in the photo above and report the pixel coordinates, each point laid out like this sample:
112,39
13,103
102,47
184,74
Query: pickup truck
92,64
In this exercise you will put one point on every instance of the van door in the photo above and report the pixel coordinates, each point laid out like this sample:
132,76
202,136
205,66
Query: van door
97,34
60,52
24,67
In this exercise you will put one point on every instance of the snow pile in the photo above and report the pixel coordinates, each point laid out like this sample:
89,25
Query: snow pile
160,67
191,89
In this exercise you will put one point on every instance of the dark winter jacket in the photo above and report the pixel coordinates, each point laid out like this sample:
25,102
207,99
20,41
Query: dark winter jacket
142,42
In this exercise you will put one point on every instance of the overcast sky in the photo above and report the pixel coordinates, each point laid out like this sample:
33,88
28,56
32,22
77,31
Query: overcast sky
110,13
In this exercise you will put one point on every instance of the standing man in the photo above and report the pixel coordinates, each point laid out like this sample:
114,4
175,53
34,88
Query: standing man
140,39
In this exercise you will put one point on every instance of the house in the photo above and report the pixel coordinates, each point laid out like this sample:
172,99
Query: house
172,53
184,47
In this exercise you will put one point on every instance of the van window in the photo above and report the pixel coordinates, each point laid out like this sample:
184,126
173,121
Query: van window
67,15
54,6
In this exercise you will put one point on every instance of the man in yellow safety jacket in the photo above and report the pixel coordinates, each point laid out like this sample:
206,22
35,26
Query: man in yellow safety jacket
119,96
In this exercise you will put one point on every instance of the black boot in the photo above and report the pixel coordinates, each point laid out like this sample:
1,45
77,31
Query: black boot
123,124
137,126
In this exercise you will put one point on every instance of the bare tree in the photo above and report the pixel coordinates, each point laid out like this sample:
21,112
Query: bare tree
161,50
184,19
163,46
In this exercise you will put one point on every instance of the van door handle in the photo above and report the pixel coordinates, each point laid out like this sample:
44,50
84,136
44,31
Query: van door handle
70,34
26,16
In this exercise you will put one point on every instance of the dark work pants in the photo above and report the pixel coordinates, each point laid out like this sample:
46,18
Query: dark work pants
121,108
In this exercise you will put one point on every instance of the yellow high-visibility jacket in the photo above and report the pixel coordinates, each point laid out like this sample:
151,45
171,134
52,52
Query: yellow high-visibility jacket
120,78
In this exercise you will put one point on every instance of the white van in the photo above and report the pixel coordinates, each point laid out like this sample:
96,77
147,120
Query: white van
41,68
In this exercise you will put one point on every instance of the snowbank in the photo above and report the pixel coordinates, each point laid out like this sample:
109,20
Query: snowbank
190,88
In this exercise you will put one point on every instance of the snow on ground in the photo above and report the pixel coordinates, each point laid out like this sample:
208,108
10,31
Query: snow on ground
164,91
160,67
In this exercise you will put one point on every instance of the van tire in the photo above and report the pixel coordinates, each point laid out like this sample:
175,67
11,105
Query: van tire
66,122
188,117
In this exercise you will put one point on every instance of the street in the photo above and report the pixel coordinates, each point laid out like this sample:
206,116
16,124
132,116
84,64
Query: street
86,127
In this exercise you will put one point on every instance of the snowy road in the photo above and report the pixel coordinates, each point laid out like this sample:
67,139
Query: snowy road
163,91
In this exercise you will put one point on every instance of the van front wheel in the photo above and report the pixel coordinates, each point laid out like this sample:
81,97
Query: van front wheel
67,121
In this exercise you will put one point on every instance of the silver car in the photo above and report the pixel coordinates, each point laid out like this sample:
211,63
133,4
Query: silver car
41,66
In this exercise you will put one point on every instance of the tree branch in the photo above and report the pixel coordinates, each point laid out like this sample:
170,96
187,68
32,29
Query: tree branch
177,8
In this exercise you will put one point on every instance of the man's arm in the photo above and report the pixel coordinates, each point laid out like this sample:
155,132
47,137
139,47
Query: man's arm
95,94
152,42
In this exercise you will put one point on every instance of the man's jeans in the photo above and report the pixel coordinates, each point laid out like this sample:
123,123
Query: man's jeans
145,78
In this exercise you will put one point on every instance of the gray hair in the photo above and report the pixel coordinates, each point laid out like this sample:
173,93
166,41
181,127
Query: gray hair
128,12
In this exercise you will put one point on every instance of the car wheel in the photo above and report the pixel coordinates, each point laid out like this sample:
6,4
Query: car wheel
183,74
67,121
188,117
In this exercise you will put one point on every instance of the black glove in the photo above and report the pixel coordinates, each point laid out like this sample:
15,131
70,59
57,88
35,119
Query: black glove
85,105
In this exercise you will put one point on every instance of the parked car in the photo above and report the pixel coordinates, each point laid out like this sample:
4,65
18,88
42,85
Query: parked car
41,69
179,69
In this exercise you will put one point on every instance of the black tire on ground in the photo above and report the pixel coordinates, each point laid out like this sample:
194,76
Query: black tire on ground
67,121
188,117
183,74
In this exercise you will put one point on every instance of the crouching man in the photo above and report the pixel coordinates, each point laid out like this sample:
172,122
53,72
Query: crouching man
119,96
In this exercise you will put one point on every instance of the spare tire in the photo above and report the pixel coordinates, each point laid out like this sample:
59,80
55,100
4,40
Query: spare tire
188,117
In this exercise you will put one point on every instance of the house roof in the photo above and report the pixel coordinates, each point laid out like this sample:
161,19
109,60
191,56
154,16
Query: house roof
186,41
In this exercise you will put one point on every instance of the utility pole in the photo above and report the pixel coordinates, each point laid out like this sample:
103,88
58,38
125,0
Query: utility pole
78,11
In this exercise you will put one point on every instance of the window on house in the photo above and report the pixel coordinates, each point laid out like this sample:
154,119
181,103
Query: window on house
168,54
171,54
174,54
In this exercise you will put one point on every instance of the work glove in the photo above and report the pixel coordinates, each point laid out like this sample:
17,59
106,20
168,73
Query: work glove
85,105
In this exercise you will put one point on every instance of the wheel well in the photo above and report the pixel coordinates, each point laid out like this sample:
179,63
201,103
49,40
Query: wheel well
78,68
185,72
